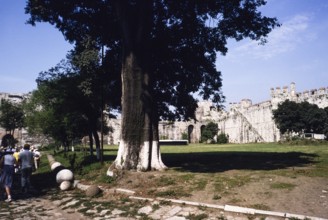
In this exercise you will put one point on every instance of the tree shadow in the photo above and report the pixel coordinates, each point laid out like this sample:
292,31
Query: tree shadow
41,184
91,159
211,162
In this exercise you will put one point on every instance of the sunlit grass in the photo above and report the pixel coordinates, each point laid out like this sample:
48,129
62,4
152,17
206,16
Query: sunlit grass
195,169
186,160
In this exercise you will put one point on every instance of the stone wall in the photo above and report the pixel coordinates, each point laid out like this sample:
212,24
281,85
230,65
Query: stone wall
244,122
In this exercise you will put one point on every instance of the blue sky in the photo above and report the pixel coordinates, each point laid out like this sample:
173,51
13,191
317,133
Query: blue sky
295,52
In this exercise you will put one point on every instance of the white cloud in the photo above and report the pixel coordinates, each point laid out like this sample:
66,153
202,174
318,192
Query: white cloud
289,36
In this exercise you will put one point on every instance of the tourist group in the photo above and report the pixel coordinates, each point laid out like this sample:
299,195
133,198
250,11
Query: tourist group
22,161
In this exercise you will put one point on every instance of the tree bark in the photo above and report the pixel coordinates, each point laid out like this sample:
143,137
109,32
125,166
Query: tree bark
139,146
91,143
97,142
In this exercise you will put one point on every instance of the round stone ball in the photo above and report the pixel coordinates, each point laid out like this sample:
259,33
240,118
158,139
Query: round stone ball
65,185
54,165
92,191
64,175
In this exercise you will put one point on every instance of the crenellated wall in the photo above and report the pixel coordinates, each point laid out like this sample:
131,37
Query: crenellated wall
244,122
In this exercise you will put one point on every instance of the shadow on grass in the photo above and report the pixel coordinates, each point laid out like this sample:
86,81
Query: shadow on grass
91,159
41,183
224,161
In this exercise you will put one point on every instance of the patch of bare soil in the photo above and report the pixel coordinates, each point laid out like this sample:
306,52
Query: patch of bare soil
253,189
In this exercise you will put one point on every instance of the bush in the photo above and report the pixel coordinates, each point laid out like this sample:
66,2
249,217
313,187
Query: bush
184,136
209,132
206,135
222,139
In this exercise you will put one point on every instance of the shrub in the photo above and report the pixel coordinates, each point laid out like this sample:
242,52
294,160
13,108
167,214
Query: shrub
222,138
209,132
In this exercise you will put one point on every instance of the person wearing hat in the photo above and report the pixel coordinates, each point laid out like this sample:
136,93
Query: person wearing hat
37,157
8,172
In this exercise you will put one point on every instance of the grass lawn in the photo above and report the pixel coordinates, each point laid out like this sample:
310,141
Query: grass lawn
256,157
263,176
212,158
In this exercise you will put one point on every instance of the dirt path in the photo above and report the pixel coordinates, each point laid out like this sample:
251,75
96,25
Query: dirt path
298,195
302,195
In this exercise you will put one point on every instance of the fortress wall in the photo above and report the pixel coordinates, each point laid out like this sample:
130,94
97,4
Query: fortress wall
245,122
114,137
233,127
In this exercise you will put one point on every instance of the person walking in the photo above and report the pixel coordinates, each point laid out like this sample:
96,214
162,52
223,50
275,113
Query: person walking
16,153
26,163
36,156
8,172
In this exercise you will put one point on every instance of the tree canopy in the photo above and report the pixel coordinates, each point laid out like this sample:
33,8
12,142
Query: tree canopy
164,51
209,132
184,38
11,116
292,117
68,103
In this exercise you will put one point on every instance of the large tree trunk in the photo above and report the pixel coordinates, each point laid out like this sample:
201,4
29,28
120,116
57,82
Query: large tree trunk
139,145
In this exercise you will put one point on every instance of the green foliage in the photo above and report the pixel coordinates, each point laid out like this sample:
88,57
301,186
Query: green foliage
176,192
184,136
280,185
298,141
292,117
68,102
11,116
163,137
8,140
164,51
173,31
223,184
209,132
222,138
165,181
325,130
197,216
200,184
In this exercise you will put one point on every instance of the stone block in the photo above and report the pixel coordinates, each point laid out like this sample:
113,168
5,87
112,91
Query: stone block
92,191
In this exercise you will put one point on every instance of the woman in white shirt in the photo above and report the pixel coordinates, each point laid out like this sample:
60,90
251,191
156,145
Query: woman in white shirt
8,172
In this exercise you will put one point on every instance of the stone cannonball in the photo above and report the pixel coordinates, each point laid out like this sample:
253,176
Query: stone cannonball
54,165
64,175
65,185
